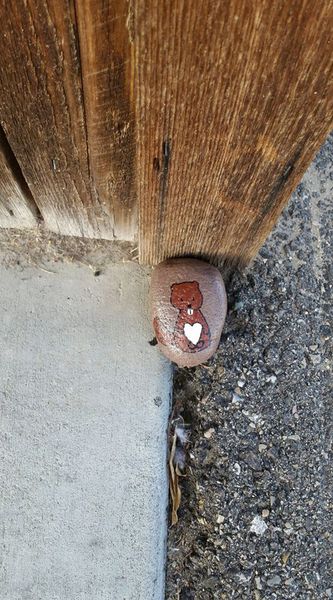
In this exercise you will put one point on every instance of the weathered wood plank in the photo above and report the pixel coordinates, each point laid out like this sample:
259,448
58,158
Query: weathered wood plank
17,208
42,111
233,99
106,52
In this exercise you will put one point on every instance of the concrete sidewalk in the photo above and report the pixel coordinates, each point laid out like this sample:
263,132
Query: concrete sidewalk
84,408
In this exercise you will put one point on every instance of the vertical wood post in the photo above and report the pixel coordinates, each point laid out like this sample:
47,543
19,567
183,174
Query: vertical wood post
233,99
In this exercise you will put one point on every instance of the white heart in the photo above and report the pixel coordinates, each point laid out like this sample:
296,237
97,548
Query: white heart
193,332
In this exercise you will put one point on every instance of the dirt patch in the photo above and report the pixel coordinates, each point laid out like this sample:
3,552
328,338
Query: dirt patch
40,248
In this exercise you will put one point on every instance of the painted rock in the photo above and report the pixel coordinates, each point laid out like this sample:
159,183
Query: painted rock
189,306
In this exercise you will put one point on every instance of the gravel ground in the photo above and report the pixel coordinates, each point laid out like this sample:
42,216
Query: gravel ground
254,522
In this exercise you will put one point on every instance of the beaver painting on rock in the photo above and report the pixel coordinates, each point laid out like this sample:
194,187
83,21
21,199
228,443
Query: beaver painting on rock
191,332
188,309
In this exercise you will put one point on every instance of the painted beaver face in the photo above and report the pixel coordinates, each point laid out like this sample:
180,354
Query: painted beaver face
186,296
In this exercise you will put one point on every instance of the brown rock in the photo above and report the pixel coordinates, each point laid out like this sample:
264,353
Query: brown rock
189,306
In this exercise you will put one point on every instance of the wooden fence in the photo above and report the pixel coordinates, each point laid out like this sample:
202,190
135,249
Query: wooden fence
184,124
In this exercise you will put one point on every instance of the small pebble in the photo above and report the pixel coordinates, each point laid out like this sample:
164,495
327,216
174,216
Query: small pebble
236,399
294,438
315,359
258,583
254,418
258,525
265,513
158,401
288,529
274,581
237,468
209,433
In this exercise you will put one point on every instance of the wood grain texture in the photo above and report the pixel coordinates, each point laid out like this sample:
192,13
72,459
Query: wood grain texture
233,99
42,111
17,207
106,51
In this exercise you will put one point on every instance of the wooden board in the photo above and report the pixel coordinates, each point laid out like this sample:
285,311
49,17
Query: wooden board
106,51
17,207
42,111
233,99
